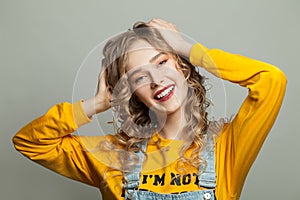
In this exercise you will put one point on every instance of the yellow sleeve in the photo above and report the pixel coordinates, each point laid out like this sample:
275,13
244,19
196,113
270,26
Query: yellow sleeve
240,141
48,141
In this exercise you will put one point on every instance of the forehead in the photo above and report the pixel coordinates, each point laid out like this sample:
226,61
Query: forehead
140,54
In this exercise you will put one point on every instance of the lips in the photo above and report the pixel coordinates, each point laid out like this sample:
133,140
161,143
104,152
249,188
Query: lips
165,93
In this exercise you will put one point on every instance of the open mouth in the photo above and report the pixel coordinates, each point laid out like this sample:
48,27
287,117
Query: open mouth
165,93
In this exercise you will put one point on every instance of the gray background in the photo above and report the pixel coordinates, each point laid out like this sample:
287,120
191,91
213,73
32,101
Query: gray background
43,44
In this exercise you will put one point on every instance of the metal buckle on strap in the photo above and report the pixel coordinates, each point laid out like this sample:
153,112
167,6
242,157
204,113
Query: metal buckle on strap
130,193
207,196
131,185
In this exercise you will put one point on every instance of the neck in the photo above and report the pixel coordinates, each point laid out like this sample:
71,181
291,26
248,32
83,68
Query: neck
173,126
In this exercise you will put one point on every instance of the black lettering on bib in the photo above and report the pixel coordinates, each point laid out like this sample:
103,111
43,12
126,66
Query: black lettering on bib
159,180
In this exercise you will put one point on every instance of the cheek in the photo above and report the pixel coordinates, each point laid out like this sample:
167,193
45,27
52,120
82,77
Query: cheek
177,75
174,70
179,78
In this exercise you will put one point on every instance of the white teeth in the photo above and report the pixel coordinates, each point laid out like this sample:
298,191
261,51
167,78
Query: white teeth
165,93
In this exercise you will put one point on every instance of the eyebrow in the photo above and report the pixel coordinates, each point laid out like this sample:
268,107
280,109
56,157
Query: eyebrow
156,56
133,73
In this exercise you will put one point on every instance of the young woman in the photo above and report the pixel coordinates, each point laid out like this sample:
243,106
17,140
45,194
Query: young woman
164,146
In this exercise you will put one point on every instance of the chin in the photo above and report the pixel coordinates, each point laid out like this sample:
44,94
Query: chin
174,109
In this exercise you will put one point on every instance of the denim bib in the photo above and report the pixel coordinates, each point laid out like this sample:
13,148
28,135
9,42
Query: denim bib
207,179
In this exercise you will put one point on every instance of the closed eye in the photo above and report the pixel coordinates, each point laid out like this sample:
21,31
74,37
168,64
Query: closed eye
140,79
161,63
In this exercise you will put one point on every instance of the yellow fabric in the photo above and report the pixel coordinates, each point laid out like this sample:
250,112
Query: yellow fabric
49,142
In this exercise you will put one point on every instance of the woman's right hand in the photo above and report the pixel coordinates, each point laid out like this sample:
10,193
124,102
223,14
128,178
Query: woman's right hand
101,101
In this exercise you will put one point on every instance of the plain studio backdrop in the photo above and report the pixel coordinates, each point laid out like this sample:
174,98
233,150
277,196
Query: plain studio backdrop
44,43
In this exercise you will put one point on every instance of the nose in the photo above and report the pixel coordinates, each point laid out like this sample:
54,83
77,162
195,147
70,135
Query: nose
156,78
153,85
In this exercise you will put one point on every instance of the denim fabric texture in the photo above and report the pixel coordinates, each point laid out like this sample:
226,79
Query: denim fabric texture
207,179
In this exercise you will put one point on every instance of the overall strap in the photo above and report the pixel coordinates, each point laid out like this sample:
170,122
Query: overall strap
132,178
207,177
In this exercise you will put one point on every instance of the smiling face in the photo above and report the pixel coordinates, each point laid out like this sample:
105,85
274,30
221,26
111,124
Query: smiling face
156,78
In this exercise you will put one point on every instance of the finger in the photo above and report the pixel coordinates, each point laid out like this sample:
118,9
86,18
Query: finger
161,24
103,72
101,86
159,20
102,78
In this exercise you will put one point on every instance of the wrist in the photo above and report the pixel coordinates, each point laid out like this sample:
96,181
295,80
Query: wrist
80,115
185,49
89,107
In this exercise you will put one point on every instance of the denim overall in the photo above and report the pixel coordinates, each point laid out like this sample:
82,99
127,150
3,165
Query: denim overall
207,179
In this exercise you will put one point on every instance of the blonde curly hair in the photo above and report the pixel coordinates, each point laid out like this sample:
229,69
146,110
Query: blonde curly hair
133,121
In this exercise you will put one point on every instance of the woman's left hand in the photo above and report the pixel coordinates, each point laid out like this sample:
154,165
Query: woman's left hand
172,36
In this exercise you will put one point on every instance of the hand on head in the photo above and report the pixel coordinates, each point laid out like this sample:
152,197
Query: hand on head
102,95
169,32
101,101
172,36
